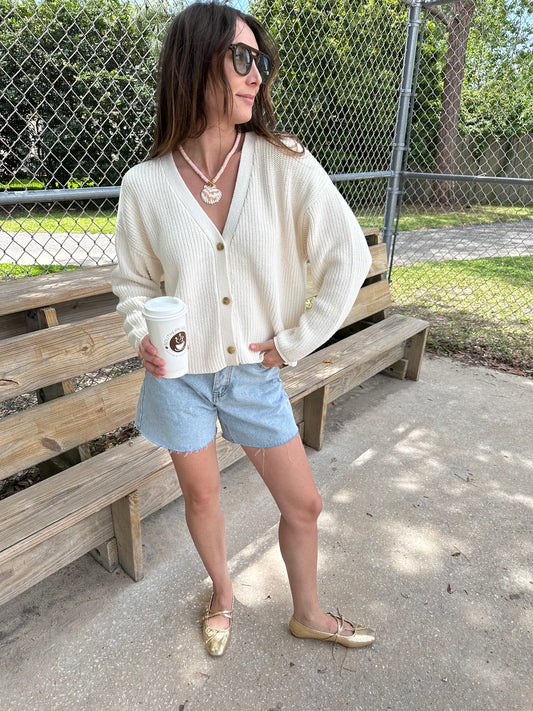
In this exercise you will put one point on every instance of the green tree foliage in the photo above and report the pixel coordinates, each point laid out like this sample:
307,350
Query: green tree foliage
497,96
77,81
341,69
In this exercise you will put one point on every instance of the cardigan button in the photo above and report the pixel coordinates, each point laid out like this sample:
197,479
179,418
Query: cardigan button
226,300
231,350
220,246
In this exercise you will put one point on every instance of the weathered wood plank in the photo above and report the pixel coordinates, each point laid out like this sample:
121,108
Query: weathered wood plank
56,503
92,533
60,353
397,370
371,299
127,526
51,289
315,406
89,307
324,366
378,266
107,555
160,491
36,434
414,350
227,452
28,567
370,233
153,496
379,260
46,318
67,312
363,371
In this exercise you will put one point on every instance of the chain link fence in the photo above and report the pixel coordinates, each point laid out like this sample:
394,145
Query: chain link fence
462,256
77,83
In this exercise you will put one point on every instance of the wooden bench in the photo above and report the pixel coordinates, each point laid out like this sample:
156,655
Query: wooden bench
60,327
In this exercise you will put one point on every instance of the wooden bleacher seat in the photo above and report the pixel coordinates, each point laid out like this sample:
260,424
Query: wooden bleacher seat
59,327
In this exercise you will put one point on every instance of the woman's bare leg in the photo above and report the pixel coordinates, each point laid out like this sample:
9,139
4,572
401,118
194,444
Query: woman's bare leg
287,474
199,478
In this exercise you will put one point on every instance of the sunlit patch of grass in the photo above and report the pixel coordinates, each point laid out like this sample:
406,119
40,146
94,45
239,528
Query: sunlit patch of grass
88,222
414,217
481,309
18,271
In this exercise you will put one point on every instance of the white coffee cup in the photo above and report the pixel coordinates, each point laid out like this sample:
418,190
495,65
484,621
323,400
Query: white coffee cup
165,318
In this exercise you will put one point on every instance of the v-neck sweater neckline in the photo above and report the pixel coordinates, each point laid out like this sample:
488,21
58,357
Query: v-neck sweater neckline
239,194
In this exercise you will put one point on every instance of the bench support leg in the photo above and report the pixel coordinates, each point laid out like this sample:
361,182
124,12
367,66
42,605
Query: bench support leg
397,370
315,406
127,524
107,555
414,350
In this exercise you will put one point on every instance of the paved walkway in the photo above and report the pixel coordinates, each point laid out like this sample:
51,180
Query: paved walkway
497,239
462,242
426,534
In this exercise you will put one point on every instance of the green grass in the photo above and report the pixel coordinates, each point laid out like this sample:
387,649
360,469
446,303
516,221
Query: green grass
88,222
480,309
34,184
426,217
412,218
19,184
18,271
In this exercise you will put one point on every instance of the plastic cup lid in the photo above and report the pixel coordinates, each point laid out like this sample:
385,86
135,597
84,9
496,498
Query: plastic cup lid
164,307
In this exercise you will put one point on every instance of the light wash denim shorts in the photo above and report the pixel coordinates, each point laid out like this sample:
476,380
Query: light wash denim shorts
180,414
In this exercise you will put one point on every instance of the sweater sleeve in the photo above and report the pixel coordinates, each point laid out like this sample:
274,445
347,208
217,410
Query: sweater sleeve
137,277
340,261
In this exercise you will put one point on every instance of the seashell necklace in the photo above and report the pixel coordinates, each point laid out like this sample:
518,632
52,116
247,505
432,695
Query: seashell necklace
210,193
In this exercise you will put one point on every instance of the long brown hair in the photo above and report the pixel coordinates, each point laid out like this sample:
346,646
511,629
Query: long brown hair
201,33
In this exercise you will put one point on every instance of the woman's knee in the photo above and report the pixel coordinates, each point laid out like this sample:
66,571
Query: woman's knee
200,485
305,512
315,506
201,500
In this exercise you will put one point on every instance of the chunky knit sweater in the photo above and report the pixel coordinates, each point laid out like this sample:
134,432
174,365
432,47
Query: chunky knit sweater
247,284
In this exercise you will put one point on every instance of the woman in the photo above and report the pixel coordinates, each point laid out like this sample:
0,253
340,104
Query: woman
230,211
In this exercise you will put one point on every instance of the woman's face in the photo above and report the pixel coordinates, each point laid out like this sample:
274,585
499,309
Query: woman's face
243,89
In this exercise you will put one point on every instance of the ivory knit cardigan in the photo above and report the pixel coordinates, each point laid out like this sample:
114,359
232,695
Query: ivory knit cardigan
247,284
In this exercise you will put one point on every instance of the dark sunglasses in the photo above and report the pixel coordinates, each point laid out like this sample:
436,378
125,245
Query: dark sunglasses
243,55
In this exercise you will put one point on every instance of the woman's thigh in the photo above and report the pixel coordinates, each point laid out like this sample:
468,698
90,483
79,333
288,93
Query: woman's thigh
287,474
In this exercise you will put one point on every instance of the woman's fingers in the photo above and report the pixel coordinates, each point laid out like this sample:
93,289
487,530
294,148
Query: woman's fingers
149,358
271,357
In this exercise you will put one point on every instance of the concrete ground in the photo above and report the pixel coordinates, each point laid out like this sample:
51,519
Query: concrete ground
426,535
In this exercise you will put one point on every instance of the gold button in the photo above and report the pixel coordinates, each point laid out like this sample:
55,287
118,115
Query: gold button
226,300
231,350
220,246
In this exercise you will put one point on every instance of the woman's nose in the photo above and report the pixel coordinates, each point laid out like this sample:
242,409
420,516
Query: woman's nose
254,74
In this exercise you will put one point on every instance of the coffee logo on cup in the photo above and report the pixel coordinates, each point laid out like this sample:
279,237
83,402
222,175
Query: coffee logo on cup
176,342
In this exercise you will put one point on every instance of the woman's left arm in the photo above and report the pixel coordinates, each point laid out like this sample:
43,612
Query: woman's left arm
340,261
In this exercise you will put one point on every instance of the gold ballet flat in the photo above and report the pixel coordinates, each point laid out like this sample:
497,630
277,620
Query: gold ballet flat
216,641
361,637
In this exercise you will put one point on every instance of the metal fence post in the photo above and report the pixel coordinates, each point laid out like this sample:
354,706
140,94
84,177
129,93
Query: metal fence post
402,120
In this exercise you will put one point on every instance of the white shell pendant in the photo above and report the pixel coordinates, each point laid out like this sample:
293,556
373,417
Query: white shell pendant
211,194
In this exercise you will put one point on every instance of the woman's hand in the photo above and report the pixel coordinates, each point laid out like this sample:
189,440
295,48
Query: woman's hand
150,359
271,357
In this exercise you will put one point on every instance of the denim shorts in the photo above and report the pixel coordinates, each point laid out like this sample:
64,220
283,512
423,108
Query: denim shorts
252,407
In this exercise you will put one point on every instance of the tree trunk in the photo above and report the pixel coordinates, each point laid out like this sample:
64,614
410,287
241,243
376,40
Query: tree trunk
458,31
